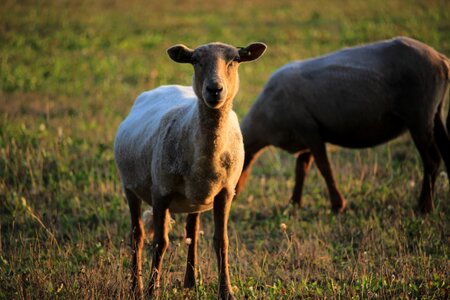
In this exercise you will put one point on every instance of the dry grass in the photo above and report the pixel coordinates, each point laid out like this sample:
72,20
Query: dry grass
69,71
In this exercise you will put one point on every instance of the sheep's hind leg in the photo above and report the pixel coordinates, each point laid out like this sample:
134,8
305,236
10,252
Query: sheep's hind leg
137,242
302,167
222,203
192,228
430,159
442,140
161,219
319,152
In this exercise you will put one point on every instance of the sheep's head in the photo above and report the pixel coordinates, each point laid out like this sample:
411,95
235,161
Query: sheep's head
216,77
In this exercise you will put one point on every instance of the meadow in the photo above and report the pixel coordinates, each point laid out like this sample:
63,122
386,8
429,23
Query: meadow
69,73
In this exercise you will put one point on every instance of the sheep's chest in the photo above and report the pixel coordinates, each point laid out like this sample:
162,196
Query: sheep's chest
204,182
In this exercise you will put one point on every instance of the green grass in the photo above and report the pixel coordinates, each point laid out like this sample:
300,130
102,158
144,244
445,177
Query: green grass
69,73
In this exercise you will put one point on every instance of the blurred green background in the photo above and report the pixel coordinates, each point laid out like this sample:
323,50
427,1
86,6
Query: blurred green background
69,73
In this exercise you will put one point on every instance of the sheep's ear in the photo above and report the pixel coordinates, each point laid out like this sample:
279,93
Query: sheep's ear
251,52
180,53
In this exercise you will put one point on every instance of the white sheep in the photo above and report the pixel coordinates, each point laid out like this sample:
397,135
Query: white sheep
180,150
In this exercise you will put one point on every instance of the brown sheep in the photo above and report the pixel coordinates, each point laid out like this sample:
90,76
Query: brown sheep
357,97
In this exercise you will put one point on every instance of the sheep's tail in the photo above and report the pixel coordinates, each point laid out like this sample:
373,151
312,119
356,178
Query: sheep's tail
446,63
441,133
448,112
147,219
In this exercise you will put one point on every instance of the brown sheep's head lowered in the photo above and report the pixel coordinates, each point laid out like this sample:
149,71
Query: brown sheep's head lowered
357,97
216,77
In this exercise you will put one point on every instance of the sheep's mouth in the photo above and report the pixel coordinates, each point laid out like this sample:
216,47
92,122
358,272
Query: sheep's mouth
214,101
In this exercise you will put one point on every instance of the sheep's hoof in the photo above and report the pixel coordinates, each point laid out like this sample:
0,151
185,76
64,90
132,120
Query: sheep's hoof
189,283
293,206
339,207
228,296
424,208
297,203
153,291
137,294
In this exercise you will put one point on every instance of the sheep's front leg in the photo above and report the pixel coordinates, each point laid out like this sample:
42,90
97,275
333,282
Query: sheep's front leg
222,203
137,243
304,161
338,202
161,219
252,151
192,228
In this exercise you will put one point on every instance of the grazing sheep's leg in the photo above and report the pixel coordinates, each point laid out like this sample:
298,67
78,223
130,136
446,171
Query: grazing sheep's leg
442,140
137,243
192,228
430,160
304,162
251,154
319,152
161,219
222,203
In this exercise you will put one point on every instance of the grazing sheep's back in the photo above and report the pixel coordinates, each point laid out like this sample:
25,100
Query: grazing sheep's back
135,138
345,94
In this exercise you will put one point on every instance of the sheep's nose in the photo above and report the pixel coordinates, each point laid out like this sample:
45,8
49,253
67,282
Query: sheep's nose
214,89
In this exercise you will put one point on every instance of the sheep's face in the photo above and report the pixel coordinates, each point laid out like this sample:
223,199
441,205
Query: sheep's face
216,79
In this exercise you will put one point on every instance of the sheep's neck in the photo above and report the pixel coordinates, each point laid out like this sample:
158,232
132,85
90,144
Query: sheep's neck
212,126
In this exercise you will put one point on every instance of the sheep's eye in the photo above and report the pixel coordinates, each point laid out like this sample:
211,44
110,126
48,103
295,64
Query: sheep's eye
230,64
